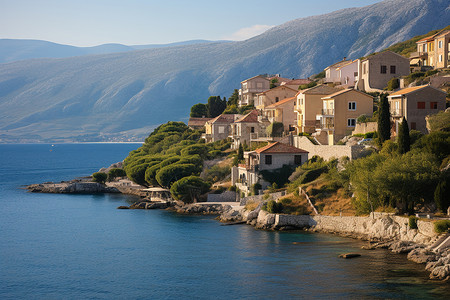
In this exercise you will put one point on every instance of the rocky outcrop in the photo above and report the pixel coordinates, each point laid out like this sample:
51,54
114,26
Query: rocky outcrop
71,187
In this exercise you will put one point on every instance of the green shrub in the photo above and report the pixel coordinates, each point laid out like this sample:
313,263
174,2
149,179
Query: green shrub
99,177
216,173
412,222
189,188
307,86
273,207
275,129
199,149
393,84
171,173
255,188
116,172
441,226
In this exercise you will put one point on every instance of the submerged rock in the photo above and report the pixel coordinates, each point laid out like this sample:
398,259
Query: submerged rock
349,255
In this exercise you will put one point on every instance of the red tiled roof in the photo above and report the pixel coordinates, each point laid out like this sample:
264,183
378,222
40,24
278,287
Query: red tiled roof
224,118
321,89
278,147
251,117
407,90
429,38
274,105
198,121
278,87
298,82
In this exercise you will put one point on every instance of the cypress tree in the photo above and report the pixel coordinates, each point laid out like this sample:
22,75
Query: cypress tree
404,142
384,119
441,195
240,153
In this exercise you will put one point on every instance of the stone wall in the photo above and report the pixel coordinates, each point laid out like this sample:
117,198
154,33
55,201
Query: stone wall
363,128
380,226
227,196
327,151
273,196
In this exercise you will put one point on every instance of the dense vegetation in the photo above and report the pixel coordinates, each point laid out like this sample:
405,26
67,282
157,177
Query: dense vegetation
171,153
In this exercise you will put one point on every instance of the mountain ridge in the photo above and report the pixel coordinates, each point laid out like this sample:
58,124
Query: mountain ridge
125,92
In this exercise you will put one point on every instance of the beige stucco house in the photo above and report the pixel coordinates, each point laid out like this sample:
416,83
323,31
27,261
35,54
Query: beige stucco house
252,86
309,104
343,73
219,128
273,95
339,113
375,71
432,51
283,112
270,157
415,103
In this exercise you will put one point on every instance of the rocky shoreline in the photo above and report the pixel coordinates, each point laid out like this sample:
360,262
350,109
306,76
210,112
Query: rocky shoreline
380,230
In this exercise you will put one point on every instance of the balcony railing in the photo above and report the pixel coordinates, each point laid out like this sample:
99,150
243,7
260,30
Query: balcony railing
327,111
418,55
396,112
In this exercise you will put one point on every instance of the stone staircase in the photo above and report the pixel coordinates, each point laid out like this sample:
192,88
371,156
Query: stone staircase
442,242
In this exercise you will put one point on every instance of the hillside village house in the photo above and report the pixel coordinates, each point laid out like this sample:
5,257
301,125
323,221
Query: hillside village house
308,105
219,127
270,157
283,112
433,51
273,95
252,86
375,71
339,113
246,128
295,83
197,123
415,103
344,72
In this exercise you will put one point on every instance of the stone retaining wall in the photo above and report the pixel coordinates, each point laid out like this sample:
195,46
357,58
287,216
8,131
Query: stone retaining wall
327,151
227,196
273,196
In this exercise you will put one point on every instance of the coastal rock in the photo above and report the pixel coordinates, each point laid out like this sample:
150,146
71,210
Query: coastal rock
440,273
402,247
265,220
421,256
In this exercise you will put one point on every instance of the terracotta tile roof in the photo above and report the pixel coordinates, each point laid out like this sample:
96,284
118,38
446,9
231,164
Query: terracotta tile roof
439,34
280,79
298,82
278,87
224,118
431,37
383,53
251,117
198,121
275,105
407,90
278,147
343,92
321,89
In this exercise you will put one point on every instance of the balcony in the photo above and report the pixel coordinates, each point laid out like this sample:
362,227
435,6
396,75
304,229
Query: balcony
298,110
328,112
423,55
396,113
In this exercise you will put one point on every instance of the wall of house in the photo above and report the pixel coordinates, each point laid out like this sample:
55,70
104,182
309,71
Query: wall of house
417,116
327,151
220,131
270,96
364,106
252,87
348,72
443,51
279,159
371,78
243,132
332,75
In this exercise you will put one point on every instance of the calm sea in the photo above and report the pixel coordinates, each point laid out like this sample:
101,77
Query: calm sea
81,247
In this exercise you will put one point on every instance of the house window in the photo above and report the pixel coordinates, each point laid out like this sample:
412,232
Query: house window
393,70
413,125
298,159
440,44
351,122
440,57
352,106
252,129
268,159
420,105
259,85
433,105
364,69
355,74
277,99
383,69
221,129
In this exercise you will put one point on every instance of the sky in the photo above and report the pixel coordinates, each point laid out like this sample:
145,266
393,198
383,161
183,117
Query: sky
140,22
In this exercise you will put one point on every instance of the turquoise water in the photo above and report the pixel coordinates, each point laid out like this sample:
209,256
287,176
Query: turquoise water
81,247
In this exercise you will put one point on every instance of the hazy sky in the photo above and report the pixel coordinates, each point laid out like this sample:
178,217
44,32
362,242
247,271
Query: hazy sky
138,22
